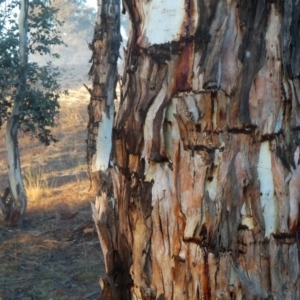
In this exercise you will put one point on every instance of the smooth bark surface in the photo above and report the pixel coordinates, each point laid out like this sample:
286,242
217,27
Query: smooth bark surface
203,197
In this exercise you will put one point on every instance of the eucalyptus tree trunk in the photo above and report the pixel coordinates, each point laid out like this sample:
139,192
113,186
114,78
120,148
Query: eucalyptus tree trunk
17,204
199,197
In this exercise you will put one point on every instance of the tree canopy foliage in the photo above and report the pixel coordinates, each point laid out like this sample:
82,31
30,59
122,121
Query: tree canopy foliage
40,94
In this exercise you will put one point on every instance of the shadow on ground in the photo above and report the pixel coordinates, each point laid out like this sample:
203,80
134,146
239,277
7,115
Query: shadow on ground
51,255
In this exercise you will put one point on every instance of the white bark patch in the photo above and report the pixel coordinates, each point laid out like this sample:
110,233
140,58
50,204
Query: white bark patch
161,185
212,186
267,198
294,189
247,220
23,31
104,142
163,21
14,174
191,106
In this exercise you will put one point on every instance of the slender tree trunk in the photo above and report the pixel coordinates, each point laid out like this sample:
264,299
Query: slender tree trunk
105,48
16,207
202,196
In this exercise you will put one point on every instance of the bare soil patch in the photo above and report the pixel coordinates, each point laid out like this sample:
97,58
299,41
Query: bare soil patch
54,253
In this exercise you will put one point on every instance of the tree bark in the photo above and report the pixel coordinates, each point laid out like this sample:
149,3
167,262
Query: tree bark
104,73
202,200
15,208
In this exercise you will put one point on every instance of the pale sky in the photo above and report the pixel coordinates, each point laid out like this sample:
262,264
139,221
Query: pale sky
92,3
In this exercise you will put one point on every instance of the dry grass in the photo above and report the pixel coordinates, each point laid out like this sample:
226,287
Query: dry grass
54,253
36,185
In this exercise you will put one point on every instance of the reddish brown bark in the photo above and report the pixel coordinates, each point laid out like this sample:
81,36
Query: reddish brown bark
206,154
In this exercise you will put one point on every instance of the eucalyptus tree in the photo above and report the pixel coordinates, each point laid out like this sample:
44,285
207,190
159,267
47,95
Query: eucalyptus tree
198,171
78,24
28,92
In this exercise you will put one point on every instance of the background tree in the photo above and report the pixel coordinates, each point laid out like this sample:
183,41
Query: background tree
29,89
78,24
200,196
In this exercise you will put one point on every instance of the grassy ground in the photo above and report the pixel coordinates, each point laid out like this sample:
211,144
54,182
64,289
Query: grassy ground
54,253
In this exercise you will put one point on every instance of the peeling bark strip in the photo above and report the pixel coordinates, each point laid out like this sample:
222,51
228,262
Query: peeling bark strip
205,184
105,48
